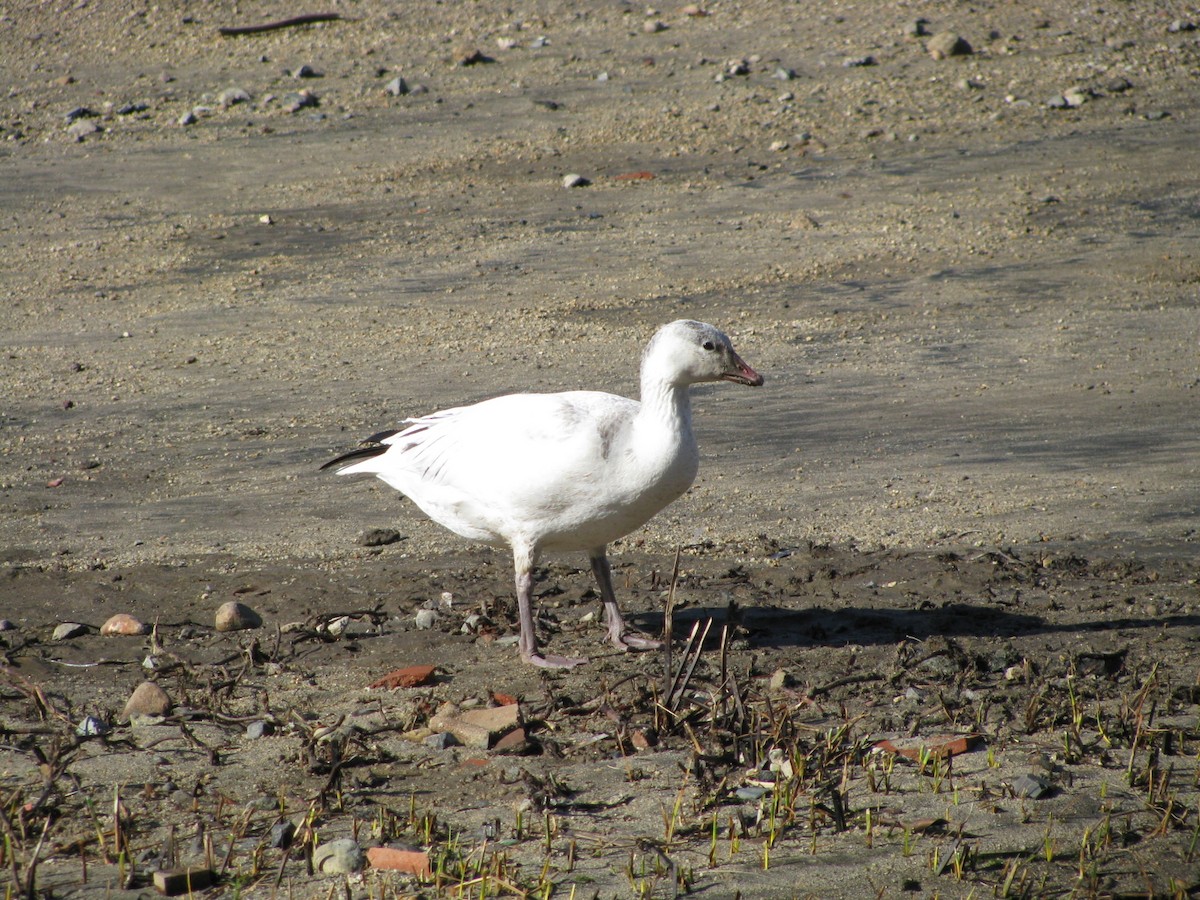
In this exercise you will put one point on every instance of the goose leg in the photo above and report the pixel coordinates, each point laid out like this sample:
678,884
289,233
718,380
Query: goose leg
528,643
620,637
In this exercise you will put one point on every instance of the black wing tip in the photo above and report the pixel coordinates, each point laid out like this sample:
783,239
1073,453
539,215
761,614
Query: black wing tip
355,455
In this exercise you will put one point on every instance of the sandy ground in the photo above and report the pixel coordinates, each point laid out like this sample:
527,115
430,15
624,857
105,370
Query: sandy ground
977,317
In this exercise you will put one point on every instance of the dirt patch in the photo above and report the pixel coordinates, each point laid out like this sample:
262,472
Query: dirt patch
963,506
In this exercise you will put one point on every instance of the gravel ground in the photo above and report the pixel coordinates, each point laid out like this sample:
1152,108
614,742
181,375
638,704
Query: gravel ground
964,503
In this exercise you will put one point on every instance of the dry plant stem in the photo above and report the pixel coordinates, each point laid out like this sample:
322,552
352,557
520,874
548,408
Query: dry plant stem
231,31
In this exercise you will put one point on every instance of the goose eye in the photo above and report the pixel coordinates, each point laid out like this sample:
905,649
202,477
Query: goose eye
709,345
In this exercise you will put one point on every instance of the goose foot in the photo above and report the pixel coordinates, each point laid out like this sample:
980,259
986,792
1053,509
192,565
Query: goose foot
553,661
627,640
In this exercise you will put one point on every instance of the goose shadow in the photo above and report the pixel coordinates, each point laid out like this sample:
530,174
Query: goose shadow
772,626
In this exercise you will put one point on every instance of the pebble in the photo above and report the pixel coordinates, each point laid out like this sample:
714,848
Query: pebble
340,857
506,43
855,62
235,616
79,112
442,740
916,28
259,729
231,97
92,727
750,792
82,128
281,835
653,26
298,100
378,537
124,624
1030,786
1077,96
946,44
147,699
784,74
780,679
397,87
1181,25
425,619
6,625
305,71
574,180
68,630
779,146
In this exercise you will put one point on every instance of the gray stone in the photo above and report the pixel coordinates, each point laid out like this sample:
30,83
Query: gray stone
68,630
231,97
82,128
946,44
298,100
425,619
281,835
378,537
397,87
855,62
574,180
92,727
340,857
1031,786
443,740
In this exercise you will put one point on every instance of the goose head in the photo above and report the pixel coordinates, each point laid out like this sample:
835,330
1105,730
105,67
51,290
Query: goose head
689,352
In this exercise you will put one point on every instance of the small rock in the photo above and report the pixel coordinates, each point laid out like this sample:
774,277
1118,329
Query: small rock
79,112
1058,101
82,128
410,676
653,26
1031,786
574,180
946,44
129,109
737,67
425,619
1180,25
854,62
265,219
506,43
779,146
784,74
124,624
183,881
471,57
235,616
258,729
92,727
231,97
750,792
305,71
281,835
340,857
68,630
1077,96
6,625
442,740
479,728
298,100
397,87
147,699
1118,85
188,118
780,679
378,537
916,28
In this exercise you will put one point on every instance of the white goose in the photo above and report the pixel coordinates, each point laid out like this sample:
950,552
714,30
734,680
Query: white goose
554,472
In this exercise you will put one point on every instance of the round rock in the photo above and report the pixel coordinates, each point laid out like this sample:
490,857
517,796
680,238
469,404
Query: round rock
947,43
148,699
234,616
339,857
122,623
